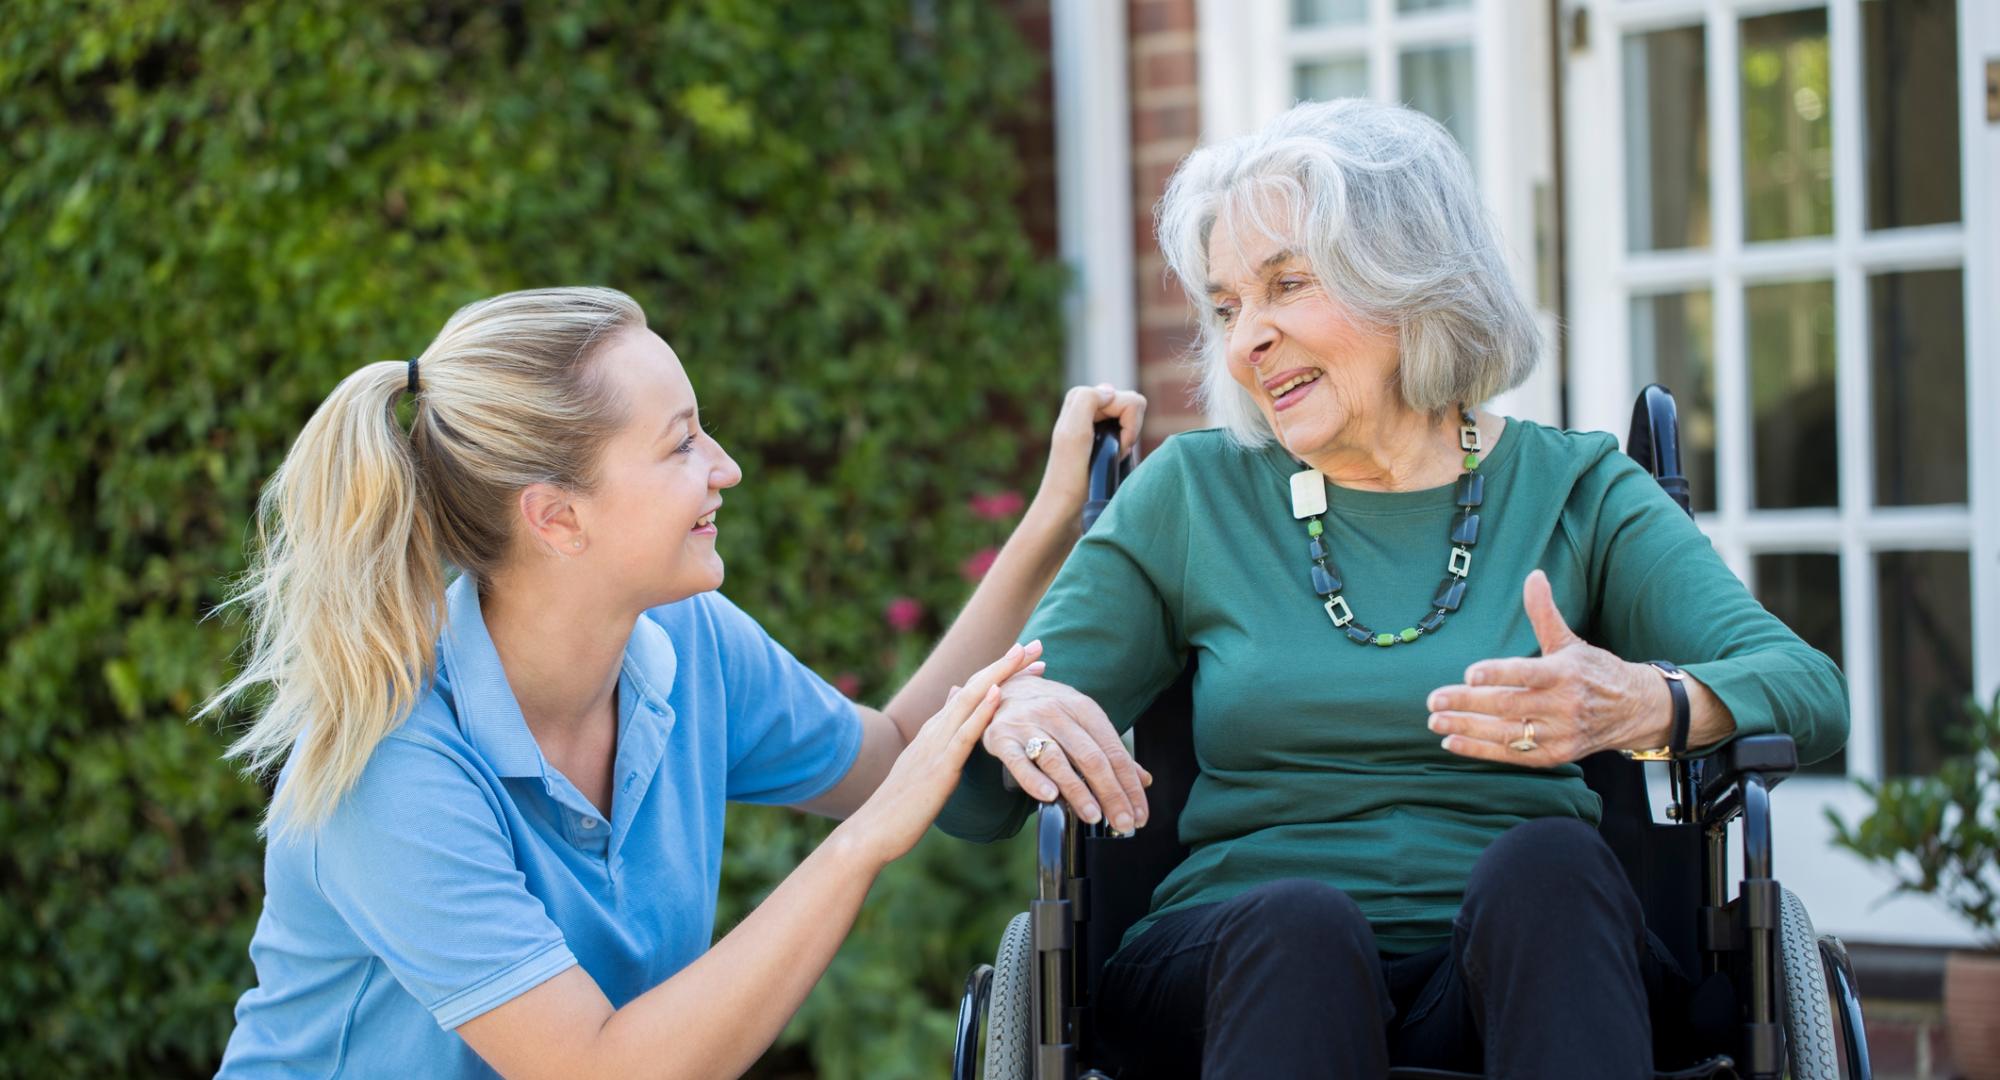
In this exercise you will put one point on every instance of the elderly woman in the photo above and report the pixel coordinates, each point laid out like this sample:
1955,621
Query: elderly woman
1409,618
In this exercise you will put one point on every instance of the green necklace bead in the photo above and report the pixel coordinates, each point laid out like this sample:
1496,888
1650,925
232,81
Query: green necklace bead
1464,533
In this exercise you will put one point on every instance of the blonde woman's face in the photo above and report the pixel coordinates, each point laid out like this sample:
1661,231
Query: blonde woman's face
1313,369
652,519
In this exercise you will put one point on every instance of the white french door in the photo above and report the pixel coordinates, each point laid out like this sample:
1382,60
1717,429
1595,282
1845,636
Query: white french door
1785,211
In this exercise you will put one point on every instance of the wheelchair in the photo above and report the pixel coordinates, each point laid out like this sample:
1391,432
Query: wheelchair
1772,991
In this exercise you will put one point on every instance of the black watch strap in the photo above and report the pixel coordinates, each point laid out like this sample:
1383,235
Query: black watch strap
1677,742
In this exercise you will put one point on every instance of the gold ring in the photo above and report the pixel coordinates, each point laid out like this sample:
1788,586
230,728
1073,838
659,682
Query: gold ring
1035,747
1526,743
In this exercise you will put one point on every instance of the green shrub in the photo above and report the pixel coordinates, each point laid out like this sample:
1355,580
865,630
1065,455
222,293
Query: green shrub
210,212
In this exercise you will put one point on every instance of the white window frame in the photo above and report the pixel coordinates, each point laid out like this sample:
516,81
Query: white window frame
1603,277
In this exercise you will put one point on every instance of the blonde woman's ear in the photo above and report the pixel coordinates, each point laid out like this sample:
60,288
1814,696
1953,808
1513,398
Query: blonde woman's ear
550,518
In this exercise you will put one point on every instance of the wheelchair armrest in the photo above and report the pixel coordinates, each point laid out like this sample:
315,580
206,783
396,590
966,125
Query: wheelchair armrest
1718,794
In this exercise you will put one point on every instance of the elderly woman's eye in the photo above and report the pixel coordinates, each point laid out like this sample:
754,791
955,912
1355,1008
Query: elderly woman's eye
1291,284
1225,312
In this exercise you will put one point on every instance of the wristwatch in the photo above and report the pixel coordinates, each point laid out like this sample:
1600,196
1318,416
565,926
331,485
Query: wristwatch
1677,738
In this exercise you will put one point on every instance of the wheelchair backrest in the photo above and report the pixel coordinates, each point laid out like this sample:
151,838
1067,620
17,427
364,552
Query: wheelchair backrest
1662,859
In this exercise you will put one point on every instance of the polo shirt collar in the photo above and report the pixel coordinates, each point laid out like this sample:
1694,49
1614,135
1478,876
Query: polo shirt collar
487,711
491,717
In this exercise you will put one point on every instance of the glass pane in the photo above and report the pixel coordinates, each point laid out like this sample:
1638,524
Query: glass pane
1673,340
1804,591
1926,643
1917,327
1666,139
1794,452
1909,66
1438,81
1432,5
1787,127
1326,12
1327,79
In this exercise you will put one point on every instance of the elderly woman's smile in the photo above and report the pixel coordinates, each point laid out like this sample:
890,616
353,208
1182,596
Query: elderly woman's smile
1287,389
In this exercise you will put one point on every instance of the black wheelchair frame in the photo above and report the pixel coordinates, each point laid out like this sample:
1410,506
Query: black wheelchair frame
1092,884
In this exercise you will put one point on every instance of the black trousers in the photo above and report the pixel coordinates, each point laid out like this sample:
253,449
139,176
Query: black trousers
1550,973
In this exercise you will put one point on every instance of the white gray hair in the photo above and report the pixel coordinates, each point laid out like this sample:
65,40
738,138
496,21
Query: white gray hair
1381,201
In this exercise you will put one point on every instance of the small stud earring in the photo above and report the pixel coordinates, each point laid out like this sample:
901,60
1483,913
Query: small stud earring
576,543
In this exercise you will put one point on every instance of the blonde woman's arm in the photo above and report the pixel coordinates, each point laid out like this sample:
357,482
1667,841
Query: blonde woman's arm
717,1015
992,619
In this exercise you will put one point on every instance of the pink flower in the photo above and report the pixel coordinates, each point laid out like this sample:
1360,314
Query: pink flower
903,614
997,505
978,564
848,683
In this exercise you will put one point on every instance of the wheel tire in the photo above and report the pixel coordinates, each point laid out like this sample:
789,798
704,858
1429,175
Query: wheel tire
1008,1030
1810,1048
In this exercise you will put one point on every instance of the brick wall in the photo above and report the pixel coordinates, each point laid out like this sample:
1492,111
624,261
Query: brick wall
1166,123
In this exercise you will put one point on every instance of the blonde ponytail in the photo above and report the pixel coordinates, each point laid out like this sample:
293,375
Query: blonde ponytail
345,592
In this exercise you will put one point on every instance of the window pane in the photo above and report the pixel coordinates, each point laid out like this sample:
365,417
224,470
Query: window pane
1794,449
1909,51
1325,12
1917,327
1673,344
1439,82
1432,5
1804,591
1326,79
1926,642
1666,139
1787,127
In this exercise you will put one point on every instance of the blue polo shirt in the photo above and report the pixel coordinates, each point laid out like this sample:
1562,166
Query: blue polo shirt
464,870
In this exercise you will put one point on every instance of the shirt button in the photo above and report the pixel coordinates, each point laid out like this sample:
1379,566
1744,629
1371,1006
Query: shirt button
590,823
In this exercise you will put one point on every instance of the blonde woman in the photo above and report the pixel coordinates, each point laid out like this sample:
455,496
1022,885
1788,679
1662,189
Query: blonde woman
496,838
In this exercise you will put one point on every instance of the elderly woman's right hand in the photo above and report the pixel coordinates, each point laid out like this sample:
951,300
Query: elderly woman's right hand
1082,759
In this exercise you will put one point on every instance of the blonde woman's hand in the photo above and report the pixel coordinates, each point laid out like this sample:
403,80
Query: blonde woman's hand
894,818
1065,483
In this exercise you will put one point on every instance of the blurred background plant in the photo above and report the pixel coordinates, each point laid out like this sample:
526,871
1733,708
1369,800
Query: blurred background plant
1939,835
210,212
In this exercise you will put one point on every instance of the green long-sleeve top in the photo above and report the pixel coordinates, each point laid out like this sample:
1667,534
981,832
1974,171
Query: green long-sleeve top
1315,759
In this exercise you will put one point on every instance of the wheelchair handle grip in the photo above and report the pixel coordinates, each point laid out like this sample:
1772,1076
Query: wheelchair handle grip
1105,472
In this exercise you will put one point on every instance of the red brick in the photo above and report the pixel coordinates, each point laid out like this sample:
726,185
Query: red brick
1166,122
1155,16
1161,345
1167,70
1152,181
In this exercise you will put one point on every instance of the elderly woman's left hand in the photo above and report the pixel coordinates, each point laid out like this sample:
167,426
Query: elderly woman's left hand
1580,698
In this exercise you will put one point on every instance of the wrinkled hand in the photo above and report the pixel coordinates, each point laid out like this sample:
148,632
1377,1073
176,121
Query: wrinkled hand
1065,482
1581,698
894,818
1084,762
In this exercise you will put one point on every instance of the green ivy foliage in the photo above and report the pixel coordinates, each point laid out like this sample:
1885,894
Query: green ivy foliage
210,212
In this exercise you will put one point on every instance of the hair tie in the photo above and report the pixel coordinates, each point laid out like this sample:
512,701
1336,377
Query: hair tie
411,389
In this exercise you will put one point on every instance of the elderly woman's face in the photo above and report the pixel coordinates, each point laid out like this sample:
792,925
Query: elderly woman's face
1311,366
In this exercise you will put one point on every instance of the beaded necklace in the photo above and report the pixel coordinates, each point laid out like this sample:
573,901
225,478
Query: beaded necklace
1309,502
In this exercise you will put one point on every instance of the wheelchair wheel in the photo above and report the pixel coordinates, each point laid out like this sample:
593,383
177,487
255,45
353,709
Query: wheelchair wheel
1810,1049
1008,1030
